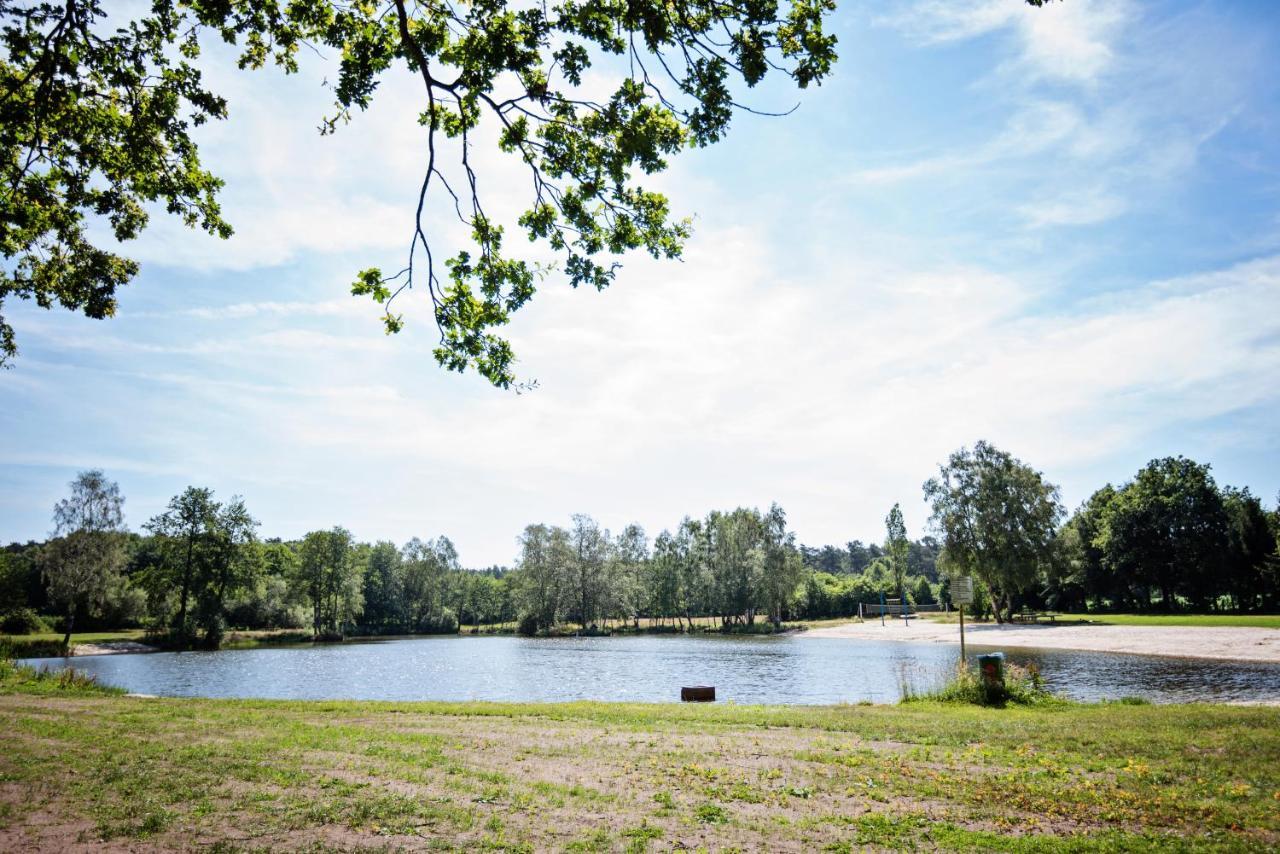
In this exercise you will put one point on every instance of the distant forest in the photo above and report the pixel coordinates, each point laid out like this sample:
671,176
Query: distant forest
1170,539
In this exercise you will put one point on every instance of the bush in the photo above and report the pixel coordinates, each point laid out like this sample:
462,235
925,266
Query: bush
528,625
1023,686
444,623
11,648
760,627
215,628
22,621
922,592
42,681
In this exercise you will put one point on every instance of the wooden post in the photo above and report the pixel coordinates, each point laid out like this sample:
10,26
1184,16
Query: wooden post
961,607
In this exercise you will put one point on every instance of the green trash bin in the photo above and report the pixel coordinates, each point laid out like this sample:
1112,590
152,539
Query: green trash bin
991,666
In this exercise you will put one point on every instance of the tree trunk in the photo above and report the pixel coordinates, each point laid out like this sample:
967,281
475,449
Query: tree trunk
186,591
71,624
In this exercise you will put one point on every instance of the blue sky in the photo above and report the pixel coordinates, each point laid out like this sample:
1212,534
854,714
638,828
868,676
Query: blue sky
1057,230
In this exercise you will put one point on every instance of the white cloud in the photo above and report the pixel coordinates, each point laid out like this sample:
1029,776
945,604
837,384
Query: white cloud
723,381
291,192
344,307
1069,41
1039,127
1074,207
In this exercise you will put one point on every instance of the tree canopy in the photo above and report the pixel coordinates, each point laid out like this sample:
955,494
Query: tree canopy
97,109
999,518
86,554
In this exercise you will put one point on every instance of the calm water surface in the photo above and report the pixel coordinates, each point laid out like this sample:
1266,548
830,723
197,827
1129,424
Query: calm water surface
789,669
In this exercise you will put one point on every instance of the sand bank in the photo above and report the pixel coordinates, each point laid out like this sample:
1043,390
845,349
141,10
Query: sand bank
1239,644
111,648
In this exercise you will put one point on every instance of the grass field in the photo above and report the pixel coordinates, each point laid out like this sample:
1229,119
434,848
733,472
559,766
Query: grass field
49,644
86,637
1258,621
85,767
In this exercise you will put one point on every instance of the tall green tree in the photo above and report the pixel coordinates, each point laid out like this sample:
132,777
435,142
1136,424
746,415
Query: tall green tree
898,548
736,563
998,518
1166,532
542,585
591,553
332,579
87,552
628,560
384,597
783,568
425,582
232,564
1251,571
185,530
696,546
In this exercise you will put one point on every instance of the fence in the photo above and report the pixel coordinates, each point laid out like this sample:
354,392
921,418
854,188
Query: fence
895,608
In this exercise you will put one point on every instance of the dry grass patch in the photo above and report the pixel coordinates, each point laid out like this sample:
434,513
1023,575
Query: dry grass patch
140,774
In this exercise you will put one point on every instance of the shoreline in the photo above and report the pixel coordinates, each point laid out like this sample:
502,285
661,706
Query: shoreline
1229,643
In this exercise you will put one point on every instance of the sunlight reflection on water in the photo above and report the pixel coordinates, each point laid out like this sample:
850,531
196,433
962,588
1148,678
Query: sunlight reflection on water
789,669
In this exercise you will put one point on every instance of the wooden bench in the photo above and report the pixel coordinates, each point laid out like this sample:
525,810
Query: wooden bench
1025,616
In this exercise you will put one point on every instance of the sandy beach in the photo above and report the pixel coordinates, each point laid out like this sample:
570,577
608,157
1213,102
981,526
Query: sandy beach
111,648
1239,644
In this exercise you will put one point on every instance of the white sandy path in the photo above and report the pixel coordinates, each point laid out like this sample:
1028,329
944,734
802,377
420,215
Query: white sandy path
111,648
1239,644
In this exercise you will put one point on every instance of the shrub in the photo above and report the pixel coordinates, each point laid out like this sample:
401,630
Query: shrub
215,628
1023,686
444,623
22,621
528,625
65,680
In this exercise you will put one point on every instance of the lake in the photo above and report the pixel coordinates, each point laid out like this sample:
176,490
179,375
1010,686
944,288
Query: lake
650,668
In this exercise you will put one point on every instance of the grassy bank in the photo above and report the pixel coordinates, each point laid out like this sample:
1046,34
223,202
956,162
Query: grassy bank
80,767
49,644
1257,621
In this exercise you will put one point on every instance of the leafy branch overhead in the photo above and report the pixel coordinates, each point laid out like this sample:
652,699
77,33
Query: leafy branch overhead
97,114
97,109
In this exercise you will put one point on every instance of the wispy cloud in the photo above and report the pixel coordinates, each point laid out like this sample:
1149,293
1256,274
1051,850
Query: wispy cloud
1035,129
1061,41
722,382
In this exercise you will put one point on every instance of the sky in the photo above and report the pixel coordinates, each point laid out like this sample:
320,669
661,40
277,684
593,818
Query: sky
1057,230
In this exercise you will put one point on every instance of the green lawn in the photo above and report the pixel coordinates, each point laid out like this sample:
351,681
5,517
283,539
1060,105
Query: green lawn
86,637
82,767
1261,621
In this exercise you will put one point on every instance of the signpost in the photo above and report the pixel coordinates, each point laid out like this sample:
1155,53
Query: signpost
961,595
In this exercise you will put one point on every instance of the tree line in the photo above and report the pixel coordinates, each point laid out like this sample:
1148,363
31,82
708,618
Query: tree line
1169,539
200,567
